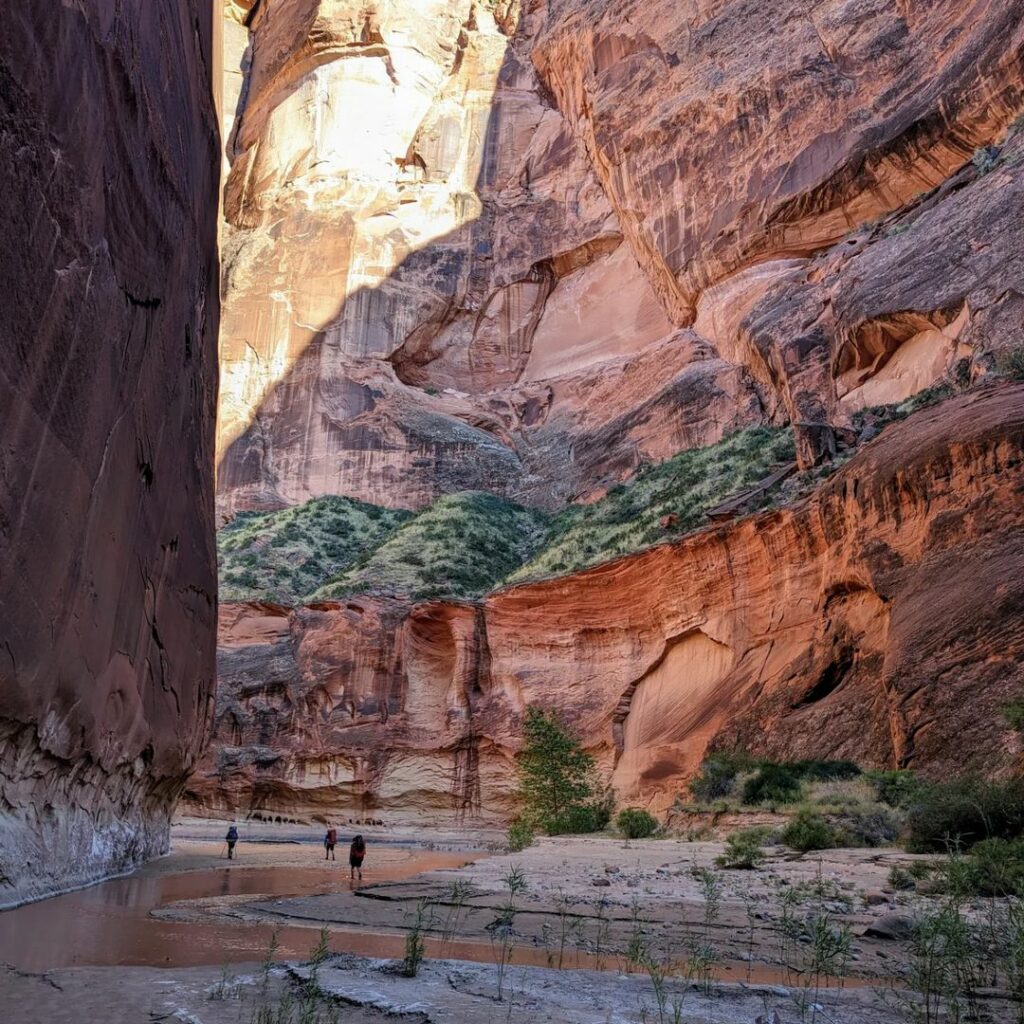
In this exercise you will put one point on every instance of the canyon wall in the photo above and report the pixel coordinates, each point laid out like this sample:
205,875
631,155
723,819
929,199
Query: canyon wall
529,247
524,247
881,620
109,158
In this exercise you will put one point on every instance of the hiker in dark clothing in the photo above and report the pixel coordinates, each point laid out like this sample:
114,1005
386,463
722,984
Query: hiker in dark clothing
231,838
356,853
330,841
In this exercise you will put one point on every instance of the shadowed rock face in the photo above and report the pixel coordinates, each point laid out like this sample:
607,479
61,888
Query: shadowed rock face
878,620
108,155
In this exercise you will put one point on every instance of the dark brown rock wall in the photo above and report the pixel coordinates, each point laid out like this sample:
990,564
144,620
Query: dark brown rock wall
108,377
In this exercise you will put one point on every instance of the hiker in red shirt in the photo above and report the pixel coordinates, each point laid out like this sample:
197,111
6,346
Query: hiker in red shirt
330,841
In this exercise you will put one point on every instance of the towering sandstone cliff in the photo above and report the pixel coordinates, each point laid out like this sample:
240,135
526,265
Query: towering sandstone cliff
109,159
530,247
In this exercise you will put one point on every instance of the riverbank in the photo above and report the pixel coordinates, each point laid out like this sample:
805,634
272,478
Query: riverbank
573,929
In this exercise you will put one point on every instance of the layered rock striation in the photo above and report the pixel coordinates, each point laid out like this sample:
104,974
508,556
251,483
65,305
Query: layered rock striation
109,158
532,248
879,619
526,247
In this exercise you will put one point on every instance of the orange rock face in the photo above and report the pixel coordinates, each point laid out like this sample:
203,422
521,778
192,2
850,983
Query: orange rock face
109,160
878,620
448,221
527,248
424,277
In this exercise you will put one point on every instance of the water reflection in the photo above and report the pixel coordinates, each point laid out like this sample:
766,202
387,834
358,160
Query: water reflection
111,923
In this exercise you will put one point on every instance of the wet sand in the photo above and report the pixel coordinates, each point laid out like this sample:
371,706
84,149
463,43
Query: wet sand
118,923
162,944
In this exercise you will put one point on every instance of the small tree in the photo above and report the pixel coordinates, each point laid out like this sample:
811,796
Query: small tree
555,773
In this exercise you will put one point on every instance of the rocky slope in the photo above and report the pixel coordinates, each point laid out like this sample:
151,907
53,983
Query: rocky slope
877,620
532,248
109,158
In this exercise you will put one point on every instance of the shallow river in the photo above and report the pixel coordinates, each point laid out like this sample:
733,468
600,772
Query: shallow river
111,923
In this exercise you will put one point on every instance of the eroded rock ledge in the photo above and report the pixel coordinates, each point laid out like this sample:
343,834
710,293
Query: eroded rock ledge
880,619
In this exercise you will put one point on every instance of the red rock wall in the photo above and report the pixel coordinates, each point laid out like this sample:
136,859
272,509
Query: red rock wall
536,199
108,378
878,620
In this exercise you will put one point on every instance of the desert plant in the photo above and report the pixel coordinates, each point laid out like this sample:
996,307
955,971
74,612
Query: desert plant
964,811
501,929
941,965
556,775
866,825
415,946
809,830
1014,711
743,849
1010,363
901,879
993,867
269,957
985,159
773,784
455,901
519,835
637,951
717,775
579,819
635,823
824,771
309,1002
896,788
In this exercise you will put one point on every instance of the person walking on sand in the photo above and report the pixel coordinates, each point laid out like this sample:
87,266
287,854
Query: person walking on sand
231,838
330,841
356,853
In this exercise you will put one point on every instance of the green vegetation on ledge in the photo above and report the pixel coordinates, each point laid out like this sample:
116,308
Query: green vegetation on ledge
462,546
678,492
465,545
287,555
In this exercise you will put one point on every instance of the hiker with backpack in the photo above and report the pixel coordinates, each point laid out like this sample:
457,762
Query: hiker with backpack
356,853
330,841
231,838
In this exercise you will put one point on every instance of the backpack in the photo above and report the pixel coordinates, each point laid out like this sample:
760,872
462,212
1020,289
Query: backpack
332,836
232,836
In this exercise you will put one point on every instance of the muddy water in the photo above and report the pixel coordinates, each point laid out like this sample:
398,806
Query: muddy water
150,918
112,923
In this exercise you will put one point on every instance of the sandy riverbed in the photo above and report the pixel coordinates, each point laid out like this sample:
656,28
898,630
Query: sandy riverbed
157,945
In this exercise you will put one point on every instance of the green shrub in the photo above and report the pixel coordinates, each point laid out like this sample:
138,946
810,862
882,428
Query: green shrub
519,836
825,771
963,812
635,823
895,788
901,879
556,778
809,831
1011,363
717,775
985,159
1014,714
995,867
867,825
743,849
772,784
578,819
